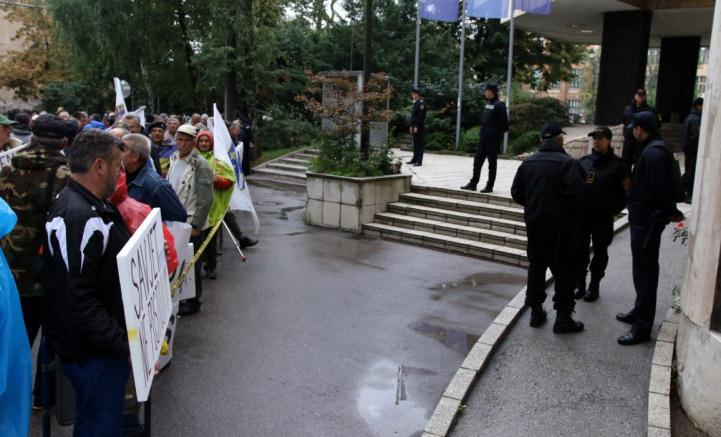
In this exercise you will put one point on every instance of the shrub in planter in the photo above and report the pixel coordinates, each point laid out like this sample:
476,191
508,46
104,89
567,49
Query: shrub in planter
526,142
469,140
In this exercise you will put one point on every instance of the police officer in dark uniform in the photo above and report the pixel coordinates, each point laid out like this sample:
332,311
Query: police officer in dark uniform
691,135
494,123
631,147
418,124
607,182
550,186
655,189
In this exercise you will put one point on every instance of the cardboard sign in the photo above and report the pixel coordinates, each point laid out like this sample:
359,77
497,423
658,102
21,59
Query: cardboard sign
146,299
186,291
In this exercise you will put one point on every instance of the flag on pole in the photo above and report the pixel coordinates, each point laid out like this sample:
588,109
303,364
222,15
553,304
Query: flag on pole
140,112
489,9
540,7
439,10
120,108
223,150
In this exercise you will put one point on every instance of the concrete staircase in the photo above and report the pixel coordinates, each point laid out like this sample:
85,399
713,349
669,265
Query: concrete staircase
289,169
469,223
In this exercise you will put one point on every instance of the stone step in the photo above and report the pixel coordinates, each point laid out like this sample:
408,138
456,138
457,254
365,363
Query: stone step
467,206
478,249
303,155
458,218
280,174
452,230
474,196
288,167
295,161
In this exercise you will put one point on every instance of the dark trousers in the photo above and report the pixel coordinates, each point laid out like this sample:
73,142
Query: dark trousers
550,247
645,244
598,230
99,385
418,147
198,267
210,257
232,221
487,148
33,316
689,173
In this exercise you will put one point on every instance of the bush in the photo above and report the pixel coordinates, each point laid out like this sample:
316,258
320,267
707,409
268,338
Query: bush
524,143
469,140
438,141
343,159
278,130
530,115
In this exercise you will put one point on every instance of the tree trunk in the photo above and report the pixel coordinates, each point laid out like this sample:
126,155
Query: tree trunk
192,72
248,70
231,77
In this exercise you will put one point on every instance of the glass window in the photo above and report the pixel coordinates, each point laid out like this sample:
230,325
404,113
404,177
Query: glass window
576,81
700,85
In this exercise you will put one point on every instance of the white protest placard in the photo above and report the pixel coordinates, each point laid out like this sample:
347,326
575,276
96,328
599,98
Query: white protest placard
146,299
7,156
186,291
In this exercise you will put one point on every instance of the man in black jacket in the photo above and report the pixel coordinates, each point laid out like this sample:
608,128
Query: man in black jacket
418,125
655,189
85,320
607,181
494,124
631,147
549,184
691,134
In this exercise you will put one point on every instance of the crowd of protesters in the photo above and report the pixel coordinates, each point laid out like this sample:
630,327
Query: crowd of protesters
73,185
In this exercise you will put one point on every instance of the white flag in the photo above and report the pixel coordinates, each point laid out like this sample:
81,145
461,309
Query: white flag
120,108
222,149
140,112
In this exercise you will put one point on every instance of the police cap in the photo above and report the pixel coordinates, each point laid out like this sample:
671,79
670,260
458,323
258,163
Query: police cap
551,130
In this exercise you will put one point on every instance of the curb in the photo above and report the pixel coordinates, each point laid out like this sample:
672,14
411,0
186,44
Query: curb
450,404
659,386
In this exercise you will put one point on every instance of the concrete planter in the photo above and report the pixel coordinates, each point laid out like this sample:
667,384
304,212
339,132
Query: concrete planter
348,203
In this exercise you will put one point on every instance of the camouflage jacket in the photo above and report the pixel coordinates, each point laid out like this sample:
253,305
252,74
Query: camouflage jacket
24,185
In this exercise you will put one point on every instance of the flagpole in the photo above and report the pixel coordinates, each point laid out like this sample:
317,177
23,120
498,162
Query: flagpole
509,72
418,44
460,75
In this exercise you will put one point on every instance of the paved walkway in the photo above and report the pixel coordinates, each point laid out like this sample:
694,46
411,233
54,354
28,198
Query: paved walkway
542,384
453,171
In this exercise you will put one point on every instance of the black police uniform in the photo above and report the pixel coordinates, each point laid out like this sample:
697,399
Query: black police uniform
418,120
494,123
606,179
655,189
246,136
631,147
550,186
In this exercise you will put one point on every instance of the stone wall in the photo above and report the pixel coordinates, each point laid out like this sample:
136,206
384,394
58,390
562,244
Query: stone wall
7,42
581,146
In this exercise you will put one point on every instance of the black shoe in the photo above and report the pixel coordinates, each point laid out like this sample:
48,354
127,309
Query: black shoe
566,325
626,317
417,164
487,190
247,242
592,293
538,317
581,289
634,336
410,162
210,274
469,186
188,307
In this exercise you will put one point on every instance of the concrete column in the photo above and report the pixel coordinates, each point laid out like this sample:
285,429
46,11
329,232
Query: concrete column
698,347
677,77
624,53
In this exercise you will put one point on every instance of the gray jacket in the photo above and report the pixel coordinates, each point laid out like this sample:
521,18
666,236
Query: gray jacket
196,188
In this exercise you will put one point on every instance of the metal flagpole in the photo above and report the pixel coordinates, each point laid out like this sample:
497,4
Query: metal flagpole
509,71
418,44
460,75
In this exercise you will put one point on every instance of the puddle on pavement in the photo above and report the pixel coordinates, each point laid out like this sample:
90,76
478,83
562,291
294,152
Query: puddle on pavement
385,401
479,282
449,337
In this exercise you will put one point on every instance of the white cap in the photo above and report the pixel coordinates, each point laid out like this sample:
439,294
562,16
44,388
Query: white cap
187,129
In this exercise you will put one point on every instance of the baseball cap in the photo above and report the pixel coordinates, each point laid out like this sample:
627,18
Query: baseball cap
159,123
641,91
6,121
491,86
601,131
187,129
49,126
646,120
551,130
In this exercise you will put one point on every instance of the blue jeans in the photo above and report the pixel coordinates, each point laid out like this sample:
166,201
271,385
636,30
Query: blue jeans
100,391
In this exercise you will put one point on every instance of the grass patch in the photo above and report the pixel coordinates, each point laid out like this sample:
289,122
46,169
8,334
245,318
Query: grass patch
272,154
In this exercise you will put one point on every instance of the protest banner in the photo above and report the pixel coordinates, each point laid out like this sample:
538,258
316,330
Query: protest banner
146,299
7,156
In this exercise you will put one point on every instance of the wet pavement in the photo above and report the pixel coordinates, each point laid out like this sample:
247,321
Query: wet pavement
324,333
